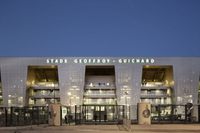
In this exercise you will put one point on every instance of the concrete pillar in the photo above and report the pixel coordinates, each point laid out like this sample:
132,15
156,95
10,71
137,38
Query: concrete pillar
54,115
144,113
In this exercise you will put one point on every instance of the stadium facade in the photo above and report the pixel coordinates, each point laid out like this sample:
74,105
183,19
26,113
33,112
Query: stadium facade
101,81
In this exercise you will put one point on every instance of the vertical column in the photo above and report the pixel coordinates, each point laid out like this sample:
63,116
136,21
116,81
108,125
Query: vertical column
14,83
136,86
128,83
186,85
71,81
186,77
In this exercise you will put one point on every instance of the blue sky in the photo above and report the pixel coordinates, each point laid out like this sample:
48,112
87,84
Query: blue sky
100,27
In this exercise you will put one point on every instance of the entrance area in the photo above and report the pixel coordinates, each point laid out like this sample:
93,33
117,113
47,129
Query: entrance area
99,114
99,99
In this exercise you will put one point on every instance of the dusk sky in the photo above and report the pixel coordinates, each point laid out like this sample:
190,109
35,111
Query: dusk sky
100,27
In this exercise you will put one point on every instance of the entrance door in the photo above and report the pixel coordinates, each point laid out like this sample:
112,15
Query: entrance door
100,114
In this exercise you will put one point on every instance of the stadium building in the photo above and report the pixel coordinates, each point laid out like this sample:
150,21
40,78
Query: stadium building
103,87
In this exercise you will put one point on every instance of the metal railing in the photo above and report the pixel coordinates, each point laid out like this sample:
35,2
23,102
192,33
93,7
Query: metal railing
21,116
101,114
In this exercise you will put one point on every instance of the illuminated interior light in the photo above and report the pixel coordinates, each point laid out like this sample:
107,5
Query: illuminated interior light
69,93
91,85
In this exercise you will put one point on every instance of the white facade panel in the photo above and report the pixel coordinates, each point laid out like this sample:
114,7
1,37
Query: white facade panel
71,73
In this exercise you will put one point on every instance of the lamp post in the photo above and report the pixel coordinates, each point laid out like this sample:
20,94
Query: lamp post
54,93
52,90
70,104
126,93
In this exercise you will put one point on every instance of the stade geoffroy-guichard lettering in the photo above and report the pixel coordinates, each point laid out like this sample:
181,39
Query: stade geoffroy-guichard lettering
102,82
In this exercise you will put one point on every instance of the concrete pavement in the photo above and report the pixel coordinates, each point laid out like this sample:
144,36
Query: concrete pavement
156,128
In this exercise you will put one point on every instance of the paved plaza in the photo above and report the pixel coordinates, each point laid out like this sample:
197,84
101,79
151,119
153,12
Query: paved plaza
158,128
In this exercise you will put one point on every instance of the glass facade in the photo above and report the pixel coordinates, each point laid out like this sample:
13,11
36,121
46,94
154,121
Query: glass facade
42,85
100,86
110,114
99,93
157,85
